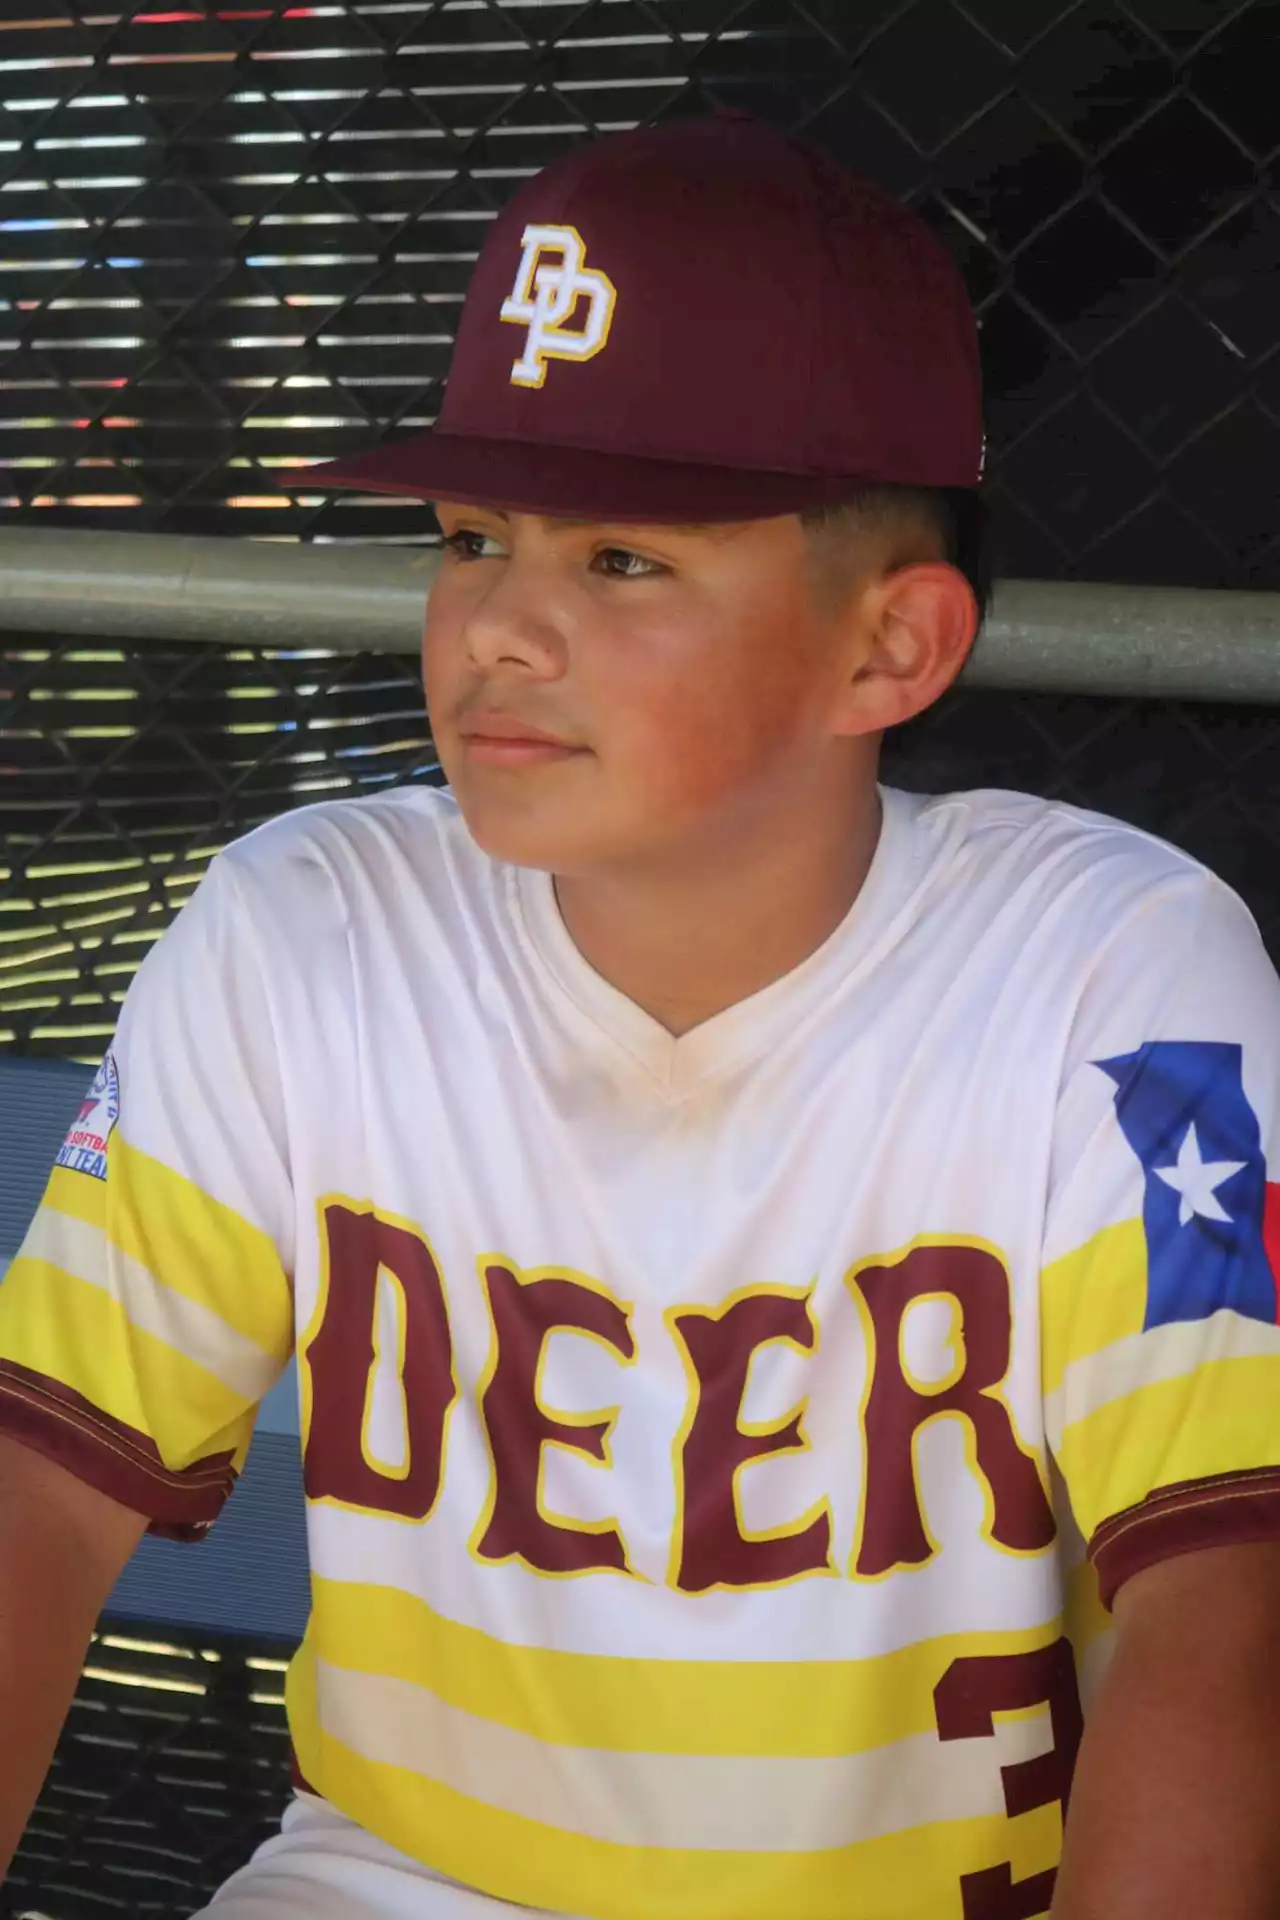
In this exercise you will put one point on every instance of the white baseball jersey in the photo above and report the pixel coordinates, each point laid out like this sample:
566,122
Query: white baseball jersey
719,1449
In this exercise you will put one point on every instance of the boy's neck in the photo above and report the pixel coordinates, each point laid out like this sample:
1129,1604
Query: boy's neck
686,943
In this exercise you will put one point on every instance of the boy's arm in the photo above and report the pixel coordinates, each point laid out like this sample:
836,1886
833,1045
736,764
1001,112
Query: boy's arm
1176,1802
147,1311
62,1548
1160,1297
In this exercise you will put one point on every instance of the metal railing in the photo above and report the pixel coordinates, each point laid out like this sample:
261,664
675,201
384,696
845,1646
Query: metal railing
1042,636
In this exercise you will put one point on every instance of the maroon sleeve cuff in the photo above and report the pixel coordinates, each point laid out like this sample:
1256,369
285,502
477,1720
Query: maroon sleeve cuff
111,1456
298,1778
1232,1509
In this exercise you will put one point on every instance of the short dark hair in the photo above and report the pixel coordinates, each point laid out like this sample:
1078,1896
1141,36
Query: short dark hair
957,515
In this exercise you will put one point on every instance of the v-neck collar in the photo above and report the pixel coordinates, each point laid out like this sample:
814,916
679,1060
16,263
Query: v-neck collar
675,1065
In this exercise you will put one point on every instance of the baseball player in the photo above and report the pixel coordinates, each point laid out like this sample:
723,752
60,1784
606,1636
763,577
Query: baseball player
783,1272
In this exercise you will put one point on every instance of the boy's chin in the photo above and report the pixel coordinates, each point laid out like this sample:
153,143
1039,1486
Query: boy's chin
531,836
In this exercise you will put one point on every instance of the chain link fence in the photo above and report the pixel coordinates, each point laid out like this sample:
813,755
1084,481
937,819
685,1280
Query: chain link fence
173,1765
233,238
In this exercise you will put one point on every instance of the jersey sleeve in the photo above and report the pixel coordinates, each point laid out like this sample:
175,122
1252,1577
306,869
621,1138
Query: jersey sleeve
1160,1344
149,1308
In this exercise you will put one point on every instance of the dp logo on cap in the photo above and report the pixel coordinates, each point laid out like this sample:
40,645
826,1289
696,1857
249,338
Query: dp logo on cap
553,277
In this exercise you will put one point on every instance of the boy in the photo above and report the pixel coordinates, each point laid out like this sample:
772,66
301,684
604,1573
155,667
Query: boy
772,1261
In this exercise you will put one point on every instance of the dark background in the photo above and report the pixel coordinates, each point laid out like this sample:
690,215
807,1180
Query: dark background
233,239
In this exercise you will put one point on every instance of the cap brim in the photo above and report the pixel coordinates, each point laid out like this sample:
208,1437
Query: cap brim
573,482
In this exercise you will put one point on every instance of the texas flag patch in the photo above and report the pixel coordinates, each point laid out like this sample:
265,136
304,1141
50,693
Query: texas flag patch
1211,1218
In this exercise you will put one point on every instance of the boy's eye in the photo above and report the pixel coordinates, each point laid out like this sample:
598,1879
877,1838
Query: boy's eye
467,544
622,564
618,563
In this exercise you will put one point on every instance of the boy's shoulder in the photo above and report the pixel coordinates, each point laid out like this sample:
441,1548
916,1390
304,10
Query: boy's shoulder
1022,839
1053,902
402,860
351,843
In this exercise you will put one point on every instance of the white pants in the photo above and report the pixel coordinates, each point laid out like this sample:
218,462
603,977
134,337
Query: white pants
325,1867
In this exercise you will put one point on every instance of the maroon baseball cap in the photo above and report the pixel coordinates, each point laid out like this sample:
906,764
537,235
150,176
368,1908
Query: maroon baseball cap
699,322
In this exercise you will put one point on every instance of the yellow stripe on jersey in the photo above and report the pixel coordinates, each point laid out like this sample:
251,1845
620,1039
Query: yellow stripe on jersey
186,1324
1165,1352
190,1241
1221,1419
911,1872
797,1708
79,1334
1092,1297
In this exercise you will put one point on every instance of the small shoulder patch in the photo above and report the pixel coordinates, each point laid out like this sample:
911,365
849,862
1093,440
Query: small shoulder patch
85,1148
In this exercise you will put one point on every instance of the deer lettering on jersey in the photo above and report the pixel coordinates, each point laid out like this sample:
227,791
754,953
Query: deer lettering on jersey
340,1357
526,1310
892,1532
966,1700
711,1547
341,1360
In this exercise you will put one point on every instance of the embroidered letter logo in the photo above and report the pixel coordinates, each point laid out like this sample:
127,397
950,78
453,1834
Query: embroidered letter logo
552,279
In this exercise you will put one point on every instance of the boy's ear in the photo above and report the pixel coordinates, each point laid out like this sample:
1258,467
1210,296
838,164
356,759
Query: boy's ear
918,624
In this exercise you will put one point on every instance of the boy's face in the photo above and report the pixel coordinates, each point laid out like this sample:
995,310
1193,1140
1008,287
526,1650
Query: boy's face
690,670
